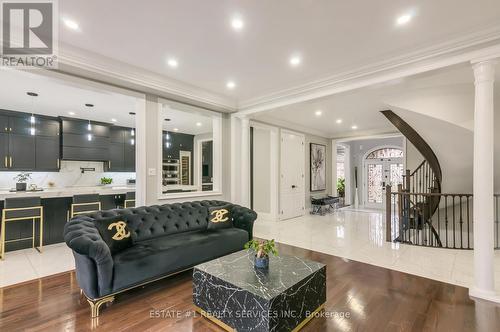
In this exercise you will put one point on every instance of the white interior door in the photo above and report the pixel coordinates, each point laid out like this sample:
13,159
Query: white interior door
292,182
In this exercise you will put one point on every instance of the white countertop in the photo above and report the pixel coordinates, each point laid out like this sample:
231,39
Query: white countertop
68,191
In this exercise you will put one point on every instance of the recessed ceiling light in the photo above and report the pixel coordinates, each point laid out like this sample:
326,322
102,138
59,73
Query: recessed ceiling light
295,60
173,63
237,23
354,127
231,85
318,113
338,121
176,129
198,124
403,19
113,120
71,24
71,113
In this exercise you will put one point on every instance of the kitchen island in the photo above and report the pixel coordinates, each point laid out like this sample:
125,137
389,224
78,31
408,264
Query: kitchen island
56,203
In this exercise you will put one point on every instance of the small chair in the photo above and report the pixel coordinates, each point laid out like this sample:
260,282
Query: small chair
82,204
129,199
22,208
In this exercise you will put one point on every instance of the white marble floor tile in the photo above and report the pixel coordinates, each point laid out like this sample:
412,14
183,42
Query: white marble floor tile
28,264
360,235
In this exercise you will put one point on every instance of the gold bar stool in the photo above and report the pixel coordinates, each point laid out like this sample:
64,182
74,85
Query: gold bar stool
129,199
22,208
84,204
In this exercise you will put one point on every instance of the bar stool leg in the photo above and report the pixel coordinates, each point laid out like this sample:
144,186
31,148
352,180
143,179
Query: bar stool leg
41,229
33,234
2,237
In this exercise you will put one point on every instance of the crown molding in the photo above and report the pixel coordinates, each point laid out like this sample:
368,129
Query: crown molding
107,70
271,121
485,43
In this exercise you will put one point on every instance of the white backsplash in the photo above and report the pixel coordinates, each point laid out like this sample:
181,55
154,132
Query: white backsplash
70,175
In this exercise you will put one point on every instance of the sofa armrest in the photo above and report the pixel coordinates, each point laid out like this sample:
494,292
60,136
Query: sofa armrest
81,235
244,218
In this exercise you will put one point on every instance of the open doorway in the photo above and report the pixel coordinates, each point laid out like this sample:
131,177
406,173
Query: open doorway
367,166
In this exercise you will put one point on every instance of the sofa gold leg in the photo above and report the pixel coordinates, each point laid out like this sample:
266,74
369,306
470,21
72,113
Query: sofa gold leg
95,306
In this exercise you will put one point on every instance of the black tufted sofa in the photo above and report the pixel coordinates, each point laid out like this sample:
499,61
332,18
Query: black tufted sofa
167,239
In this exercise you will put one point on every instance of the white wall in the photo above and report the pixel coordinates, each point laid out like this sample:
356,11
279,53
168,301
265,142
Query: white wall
261,170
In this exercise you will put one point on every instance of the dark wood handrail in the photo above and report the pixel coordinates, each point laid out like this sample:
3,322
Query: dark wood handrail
417,141
418,167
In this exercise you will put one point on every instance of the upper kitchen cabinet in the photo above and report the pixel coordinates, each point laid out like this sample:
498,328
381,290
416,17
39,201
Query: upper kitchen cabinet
122,150
20,133
85,141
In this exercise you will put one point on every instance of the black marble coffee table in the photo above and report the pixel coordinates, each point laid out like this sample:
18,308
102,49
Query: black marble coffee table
236,296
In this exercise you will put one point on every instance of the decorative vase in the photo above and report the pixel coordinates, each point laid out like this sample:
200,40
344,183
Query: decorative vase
21,186
262,262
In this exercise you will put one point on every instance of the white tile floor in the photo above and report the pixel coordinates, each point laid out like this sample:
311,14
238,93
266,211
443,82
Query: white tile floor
355,235
28,264
360,236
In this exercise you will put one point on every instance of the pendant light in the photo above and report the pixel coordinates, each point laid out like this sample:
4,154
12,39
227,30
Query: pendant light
89,125
33,95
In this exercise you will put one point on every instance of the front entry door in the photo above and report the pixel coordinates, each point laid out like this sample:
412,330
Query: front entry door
378,174
292,181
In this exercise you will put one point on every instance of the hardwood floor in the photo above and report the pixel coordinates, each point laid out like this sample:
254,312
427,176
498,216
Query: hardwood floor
374,298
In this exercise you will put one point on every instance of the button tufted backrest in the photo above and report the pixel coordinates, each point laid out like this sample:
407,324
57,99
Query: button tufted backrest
159,220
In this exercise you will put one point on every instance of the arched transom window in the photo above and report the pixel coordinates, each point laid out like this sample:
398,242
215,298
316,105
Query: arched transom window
385,153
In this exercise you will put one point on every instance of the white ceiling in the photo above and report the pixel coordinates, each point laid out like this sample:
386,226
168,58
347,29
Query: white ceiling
332,36
446,94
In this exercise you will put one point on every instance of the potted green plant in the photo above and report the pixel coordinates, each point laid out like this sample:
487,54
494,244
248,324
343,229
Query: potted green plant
106,181
341,189
262,250
22,180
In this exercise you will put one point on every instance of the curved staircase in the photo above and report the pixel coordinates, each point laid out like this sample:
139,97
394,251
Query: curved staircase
422,189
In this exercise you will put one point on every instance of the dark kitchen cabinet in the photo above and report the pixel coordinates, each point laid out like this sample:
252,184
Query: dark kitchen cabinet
47,127
129,160
21,152
116,161
4,124
177,142
80,127
47,153
4,151
84,144
28,144
122,150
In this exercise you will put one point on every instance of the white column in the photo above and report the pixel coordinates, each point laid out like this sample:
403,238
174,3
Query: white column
484,281
245,162
334,168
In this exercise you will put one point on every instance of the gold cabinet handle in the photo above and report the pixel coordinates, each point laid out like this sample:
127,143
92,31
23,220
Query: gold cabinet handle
10,162
109,164
58,163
